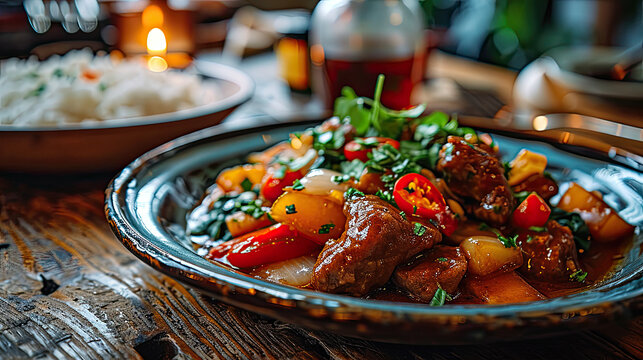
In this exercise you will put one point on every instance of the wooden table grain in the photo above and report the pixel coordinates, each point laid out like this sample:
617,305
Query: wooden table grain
70,290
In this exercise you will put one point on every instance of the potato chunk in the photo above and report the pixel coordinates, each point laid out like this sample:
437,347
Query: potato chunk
524,165
502,289
487,255
604,223
317,217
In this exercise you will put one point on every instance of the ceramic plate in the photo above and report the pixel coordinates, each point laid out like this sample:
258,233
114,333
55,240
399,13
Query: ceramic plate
147,204
110,145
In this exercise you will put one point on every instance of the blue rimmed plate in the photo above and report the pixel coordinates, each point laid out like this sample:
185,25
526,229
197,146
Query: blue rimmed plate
147,203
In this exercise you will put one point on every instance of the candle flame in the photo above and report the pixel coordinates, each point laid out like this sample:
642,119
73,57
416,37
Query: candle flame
156,43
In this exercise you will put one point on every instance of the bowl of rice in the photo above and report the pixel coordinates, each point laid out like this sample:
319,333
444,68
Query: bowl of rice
85,113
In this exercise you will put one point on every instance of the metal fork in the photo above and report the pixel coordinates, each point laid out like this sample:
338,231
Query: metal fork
79,14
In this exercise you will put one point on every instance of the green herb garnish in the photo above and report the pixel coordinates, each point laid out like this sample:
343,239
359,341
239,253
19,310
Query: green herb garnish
440,297
537,228
297,185
507,241
578,275
246,185
352,193
419,229
290,209
442,259
575,223
386,196
325,229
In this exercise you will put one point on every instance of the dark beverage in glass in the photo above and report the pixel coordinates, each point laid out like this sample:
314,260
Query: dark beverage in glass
402,76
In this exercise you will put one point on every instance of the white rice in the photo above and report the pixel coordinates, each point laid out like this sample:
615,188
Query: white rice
55,92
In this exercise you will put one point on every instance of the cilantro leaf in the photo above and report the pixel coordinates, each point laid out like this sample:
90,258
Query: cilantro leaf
246,185
325,229
578,275
352,193
297,185
575,223
440,297
419,229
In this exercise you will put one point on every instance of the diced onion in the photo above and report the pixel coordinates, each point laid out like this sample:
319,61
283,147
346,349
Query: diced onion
294,272
319,182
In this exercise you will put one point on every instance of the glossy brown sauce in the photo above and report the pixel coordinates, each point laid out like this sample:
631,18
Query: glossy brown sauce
599,261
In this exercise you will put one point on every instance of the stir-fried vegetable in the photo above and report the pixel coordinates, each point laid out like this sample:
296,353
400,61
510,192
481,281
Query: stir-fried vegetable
604,223
488,255
319,218
276,243
371,183
361,147
415,195
532,212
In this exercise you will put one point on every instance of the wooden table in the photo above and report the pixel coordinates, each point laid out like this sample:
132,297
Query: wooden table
69,289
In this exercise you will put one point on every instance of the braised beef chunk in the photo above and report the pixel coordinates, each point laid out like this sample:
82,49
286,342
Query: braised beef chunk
543,186
474,174
442,266
376,240
550,255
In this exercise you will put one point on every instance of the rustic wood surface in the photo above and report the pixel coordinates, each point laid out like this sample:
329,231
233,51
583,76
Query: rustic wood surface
69,289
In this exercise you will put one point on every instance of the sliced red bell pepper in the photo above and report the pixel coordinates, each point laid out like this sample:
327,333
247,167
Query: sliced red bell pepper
533,211
276,243
274,186
360,148
416,196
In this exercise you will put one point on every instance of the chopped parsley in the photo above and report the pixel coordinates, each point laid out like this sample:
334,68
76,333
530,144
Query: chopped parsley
537,228
338,179
290,209
386,196
352,193
37,91
442,259
419,229
440,297
575,223
507,241
325,229
246,185
521,196
297,185
403,215
578,275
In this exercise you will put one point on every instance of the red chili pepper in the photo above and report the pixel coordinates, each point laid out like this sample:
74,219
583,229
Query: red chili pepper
533,211
359,149
276,243
273,187
415,195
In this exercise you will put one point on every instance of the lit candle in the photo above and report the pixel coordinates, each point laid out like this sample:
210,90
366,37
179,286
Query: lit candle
156,48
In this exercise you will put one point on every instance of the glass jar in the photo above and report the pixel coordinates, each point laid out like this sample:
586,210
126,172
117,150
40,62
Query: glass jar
353,41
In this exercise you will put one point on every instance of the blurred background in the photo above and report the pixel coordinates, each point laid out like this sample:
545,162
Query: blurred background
501,32
270,41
